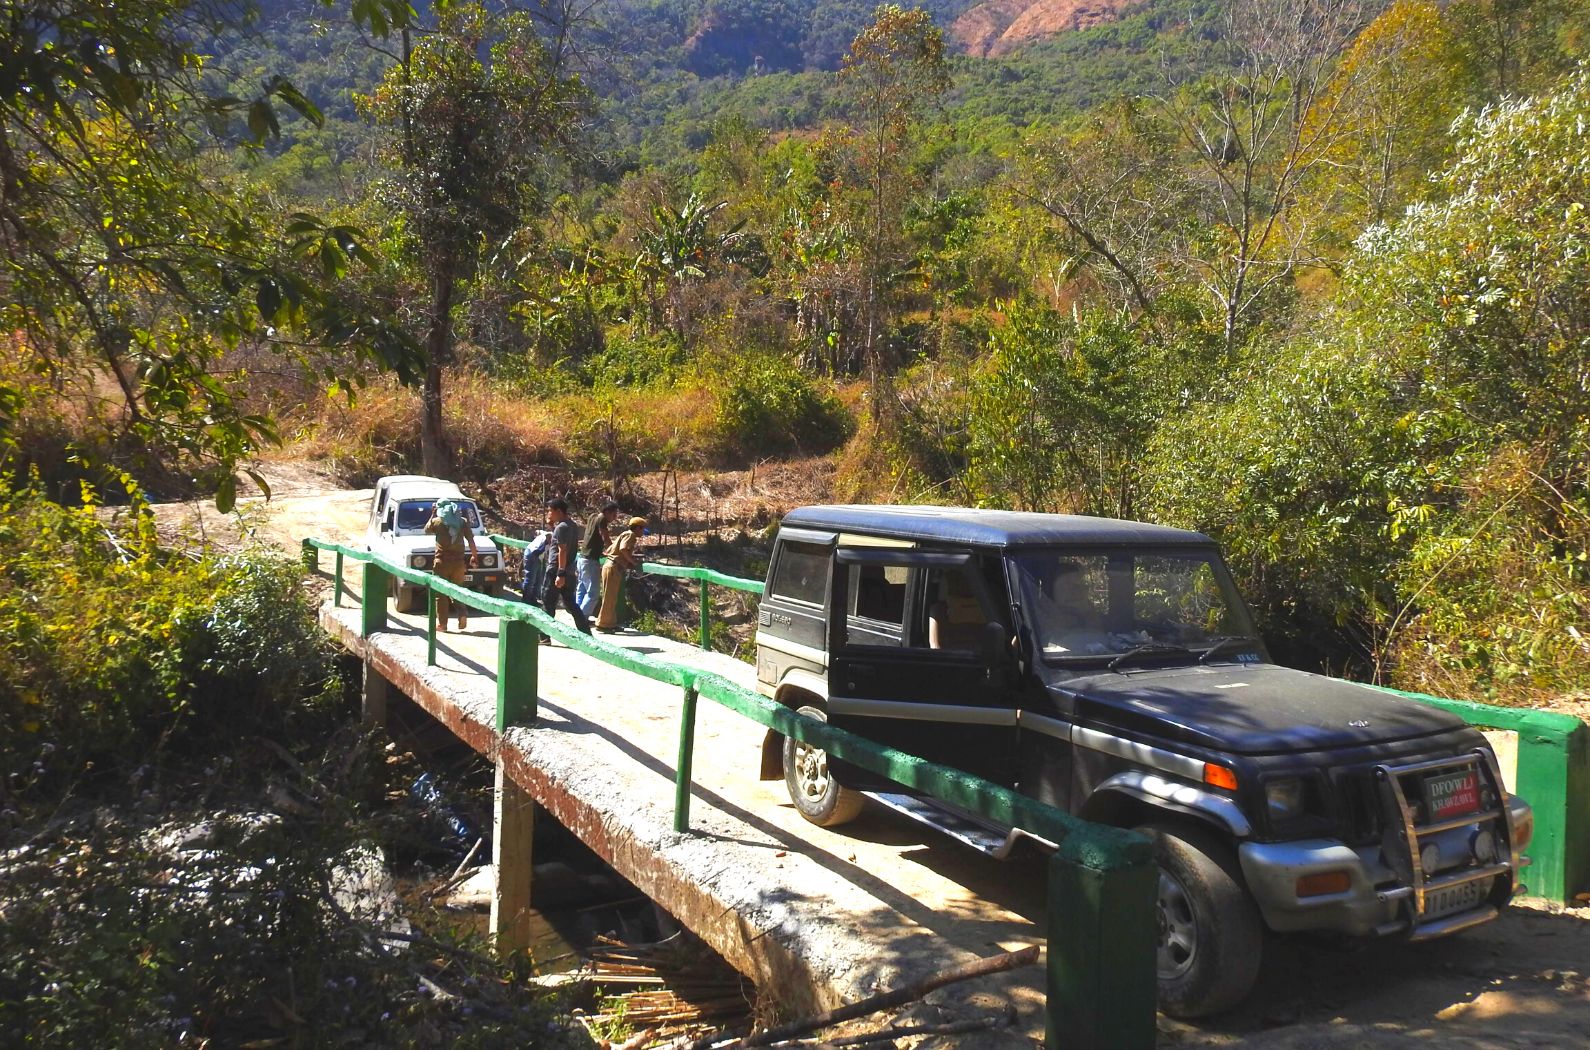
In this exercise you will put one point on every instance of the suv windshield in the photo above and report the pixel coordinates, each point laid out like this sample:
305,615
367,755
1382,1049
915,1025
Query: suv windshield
1098,604
412,514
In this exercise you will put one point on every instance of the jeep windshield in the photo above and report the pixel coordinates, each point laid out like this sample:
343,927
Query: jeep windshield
412,514
1121,606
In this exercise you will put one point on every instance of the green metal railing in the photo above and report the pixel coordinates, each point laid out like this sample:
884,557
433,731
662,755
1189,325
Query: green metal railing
1100,982
1554,777
706,577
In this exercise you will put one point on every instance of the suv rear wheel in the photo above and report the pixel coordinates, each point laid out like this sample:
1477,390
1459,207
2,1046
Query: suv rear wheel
820,798
1210,933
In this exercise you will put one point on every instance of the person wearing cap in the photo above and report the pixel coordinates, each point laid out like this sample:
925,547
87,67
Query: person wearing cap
588,588
622,557
453,534
559,583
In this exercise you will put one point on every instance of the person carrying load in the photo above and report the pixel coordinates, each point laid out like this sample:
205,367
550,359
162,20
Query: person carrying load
452,534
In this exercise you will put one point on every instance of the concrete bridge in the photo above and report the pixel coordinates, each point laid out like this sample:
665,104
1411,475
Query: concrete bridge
821,917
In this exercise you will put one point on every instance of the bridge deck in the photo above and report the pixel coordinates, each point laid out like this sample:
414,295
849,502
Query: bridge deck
818,916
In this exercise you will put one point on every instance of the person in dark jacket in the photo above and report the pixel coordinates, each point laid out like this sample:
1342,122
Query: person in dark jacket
598,534
560,566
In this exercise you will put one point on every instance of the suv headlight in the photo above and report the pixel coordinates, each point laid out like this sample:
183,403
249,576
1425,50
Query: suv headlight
488,560
1284,798
416,561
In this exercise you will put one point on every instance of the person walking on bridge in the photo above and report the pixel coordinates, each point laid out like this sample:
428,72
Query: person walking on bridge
588,591
560,566
622,557
453,532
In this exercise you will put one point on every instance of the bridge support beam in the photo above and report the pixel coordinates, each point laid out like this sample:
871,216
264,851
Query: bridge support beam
512,829
375,693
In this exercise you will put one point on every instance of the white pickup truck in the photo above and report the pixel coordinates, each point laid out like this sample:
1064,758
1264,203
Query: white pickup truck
402,505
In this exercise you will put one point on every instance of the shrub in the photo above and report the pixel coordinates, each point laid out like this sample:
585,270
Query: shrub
767,406
633,359
113,649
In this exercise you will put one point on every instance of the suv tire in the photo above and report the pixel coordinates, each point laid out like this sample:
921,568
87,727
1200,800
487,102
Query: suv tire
817,795
1210,933
407,598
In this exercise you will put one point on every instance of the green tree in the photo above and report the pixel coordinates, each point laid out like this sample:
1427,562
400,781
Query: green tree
472,113
128,262
1059,412
894,70
679,246
1394,95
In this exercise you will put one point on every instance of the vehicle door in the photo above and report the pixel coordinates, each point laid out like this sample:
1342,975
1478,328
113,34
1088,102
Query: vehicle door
917,660
791,620
379,515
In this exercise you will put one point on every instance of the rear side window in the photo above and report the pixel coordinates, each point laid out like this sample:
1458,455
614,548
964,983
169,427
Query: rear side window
801,573
877,592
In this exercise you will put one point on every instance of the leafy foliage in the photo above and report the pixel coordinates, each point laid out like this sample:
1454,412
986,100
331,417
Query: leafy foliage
127,264
766,407
114,648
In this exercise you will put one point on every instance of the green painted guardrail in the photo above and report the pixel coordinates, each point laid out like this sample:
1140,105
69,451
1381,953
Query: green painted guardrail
705,577
1100,982
1553,776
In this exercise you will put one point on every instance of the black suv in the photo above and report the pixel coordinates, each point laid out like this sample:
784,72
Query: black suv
1110,668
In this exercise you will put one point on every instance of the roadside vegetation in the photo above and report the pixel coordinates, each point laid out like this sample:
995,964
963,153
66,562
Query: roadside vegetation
195,829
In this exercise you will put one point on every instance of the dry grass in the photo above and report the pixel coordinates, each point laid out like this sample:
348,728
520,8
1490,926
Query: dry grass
612,432
492,432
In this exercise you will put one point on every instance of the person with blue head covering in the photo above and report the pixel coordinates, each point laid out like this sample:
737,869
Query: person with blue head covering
453,534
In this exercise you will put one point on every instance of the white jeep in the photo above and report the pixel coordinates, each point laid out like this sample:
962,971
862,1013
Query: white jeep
402,505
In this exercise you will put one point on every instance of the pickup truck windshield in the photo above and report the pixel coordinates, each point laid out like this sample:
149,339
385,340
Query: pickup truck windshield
412,514
1106,604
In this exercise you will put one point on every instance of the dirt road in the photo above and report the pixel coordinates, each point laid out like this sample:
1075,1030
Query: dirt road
1523,981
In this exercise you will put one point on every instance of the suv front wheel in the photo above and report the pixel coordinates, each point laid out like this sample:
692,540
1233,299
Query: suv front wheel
820,798
1210,933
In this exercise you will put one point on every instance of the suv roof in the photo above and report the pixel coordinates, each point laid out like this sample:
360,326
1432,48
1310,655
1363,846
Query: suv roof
404,485
989,528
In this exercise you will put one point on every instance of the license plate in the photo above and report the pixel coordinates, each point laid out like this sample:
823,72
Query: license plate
1452,794
1452,899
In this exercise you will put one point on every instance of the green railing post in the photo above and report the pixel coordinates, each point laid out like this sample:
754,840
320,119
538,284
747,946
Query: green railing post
706,617
687,750
1554,778
372,599
1102,984
430,627
518,649
336,590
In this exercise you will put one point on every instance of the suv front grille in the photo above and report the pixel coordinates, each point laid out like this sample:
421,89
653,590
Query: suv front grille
1358,800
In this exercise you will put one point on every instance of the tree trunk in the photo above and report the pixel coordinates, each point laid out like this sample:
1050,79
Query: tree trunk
436,455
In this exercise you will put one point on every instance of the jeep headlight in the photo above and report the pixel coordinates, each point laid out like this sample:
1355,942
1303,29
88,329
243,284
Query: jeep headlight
489,560
416,561
1284,798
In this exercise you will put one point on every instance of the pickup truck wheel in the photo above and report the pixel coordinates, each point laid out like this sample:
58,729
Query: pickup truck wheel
409,599
1210,933
820,798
